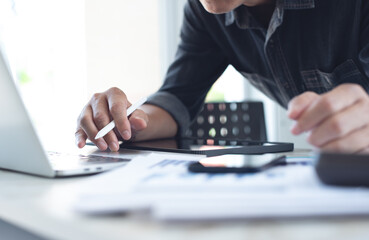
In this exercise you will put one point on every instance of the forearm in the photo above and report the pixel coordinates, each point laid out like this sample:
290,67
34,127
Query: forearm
160,124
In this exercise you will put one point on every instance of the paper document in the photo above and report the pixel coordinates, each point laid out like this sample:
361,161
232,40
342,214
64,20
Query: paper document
163,185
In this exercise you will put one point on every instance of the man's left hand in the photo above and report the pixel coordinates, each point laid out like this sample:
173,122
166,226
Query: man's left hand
336,121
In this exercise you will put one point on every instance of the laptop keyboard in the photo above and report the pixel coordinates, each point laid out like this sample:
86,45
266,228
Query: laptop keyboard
84,159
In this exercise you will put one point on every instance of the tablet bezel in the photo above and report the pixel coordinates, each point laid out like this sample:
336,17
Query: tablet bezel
241,146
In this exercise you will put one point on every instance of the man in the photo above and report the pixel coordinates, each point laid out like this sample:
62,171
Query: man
310,56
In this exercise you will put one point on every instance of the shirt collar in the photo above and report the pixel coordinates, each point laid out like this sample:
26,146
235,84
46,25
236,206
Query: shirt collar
243,18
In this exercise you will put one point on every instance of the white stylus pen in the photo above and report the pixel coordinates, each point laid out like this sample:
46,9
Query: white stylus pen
111,125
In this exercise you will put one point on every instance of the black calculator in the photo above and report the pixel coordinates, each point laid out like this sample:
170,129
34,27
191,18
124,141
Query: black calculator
343,169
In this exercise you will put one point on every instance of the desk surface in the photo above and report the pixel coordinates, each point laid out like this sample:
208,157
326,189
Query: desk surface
41,206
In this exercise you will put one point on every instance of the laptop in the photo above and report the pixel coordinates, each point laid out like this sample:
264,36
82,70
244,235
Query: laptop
21,149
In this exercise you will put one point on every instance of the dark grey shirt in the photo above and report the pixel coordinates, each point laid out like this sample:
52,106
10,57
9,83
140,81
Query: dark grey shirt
310,45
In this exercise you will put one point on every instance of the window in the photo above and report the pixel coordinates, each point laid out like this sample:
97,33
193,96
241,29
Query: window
63,51
45,43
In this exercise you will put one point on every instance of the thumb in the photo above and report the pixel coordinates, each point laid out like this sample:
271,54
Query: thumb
138,120
80,137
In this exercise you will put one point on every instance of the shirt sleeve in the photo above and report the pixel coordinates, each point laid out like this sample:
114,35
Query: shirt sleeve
198,63
364,38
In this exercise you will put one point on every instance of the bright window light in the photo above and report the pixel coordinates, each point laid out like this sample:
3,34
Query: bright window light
45,42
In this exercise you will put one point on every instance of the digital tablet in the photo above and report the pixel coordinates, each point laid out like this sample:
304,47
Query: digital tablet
210,147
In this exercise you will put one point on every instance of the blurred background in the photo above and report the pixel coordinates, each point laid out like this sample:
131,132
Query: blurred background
62,52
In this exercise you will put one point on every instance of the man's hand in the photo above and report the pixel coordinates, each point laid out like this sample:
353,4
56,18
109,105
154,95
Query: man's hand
336,121
99,111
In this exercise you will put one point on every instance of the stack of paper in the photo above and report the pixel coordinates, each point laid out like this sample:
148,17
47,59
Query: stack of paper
163,185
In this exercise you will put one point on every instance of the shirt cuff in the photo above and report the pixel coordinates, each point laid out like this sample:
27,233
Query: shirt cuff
174,107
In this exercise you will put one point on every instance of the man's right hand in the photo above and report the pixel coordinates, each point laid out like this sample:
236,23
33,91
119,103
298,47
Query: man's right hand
102,109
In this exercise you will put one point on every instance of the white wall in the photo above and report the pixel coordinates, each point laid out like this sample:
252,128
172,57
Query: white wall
45,41
122,42
170,22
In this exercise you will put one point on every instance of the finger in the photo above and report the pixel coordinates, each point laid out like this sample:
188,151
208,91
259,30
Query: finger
355,141
81,138
340,124
298,104
364,151
328,104
118,105
88,126
101,118
138,120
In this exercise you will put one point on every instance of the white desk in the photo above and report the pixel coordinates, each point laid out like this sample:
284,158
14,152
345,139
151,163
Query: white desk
40,205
